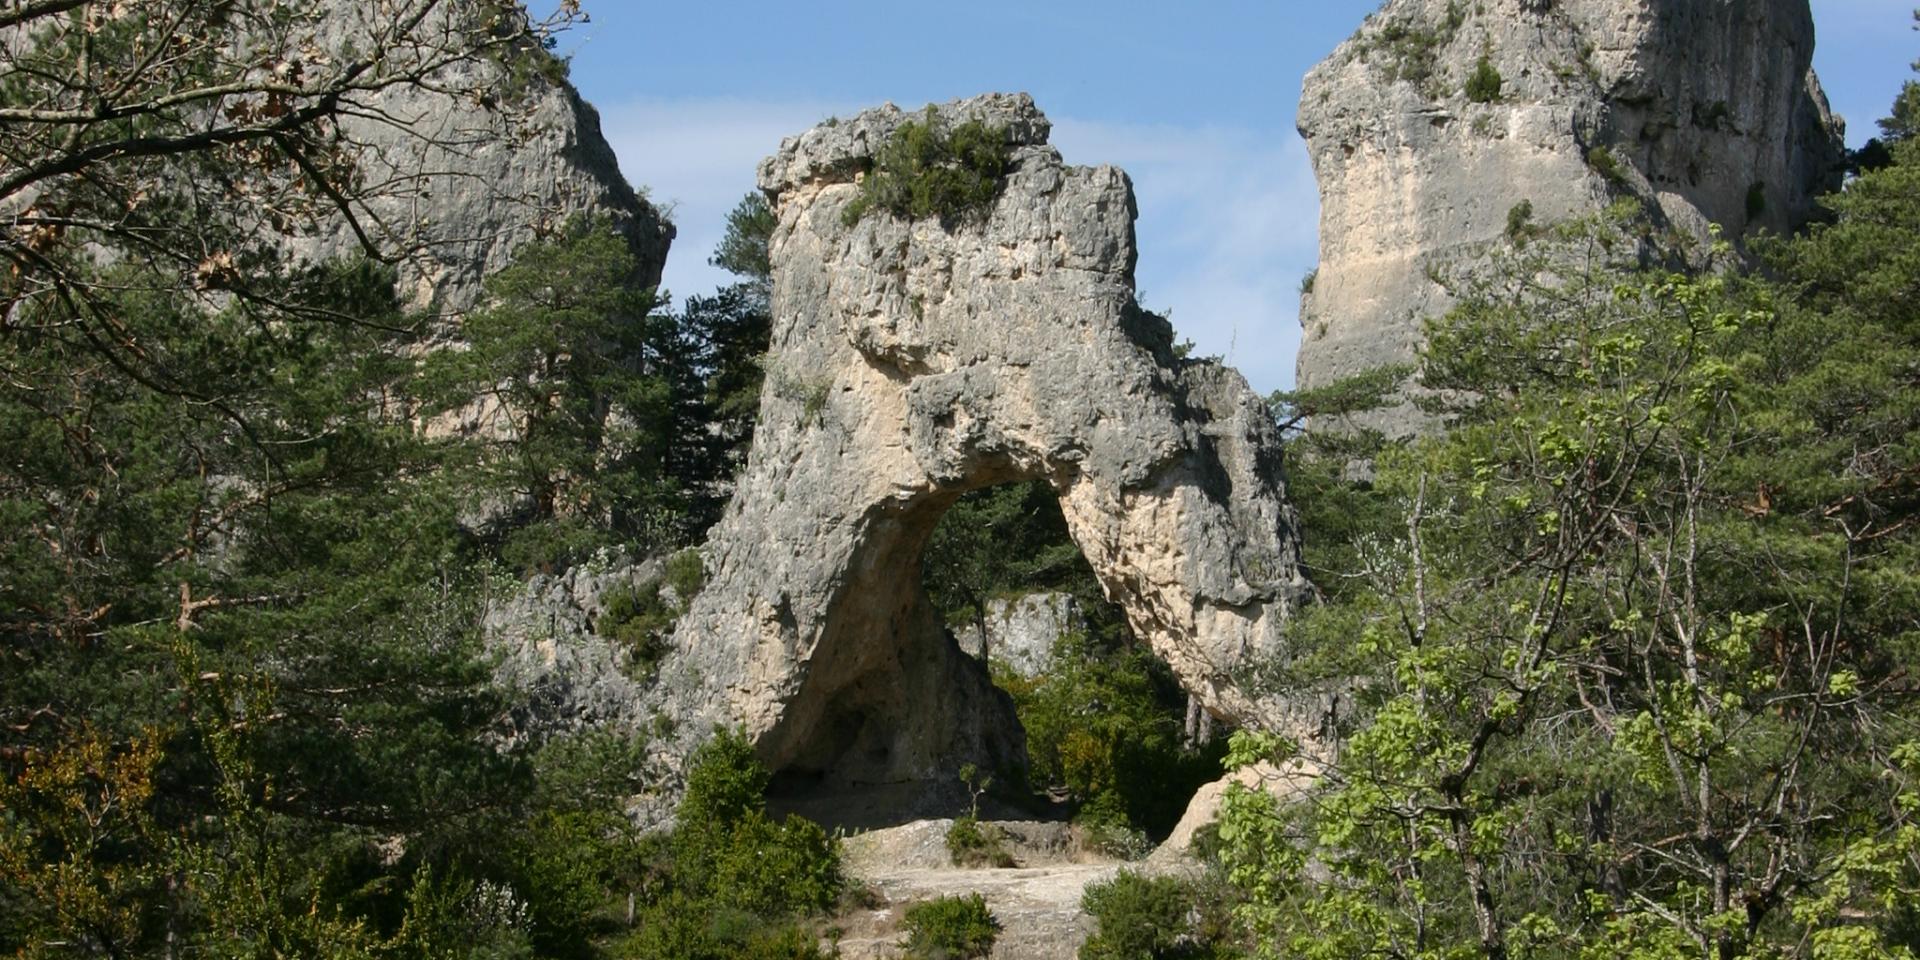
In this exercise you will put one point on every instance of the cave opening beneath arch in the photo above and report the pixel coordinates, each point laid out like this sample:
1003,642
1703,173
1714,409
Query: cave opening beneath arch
1038,677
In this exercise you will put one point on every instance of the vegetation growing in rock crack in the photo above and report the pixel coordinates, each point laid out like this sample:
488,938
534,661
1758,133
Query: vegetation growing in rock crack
1484,84
1410,50
929,169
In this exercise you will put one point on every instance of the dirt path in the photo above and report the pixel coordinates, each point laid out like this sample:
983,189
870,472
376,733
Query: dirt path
1037,902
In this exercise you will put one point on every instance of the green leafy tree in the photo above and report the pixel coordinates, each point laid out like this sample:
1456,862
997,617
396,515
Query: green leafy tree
583,376
743,251
119,119
1621,684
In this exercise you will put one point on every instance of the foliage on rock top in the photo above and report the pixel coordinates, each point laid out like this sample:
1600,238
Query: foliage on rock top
928,169
1410,50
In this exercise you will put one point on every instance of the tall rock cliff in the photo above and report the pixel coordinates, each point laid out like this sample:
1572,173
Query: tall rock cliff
458,173
914,360
1439,118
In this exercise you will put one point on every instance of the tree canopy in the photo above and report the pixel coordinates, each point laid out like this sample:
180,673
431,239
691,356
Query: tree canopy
1630,649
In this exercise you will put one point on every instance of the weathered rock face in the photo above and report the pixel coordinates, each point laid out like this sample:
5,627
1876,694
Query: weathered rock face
465,181
1708,108
914,361
564,675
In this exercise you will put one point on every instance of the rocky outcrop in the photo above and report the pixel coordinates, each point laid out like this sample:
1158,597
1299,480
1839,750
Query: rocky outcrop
915,360
1019,631
562,674
1707,111
458,173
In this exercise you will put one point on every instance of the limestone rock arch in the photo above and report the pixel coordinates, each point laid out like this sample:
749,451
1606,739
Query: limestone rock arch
913,362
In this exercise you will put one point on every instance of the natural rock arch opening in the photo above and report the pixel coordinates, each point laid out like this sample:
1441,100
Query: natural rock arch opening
913,361
1010,627
891,705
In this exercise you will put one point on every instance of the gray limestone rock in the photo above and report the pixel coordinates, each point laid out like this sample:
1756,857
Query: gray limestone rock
564,675
1708,109
914,361
455,174
1020,631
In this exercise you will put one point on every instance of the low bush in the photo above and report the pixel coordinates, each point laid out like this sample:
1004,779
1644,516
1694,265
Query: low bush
971,843
1520,226
686,573
1606,165
1159,918
1483,86
950,928
636,620
730,882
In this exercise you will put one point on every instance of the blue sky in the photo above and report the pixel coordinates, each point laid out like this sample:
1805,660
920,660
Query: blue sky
1196,101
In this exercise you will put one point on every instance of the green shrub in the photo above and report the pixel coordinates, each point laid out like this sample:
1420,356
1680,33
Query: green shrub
680,928
725,782
971,843
950,928
637,620
1485,83
1306,282
770,869
729,882
1159,918
792,942
927,170
1520,222
686,573
1141,918
1412,50
1606,165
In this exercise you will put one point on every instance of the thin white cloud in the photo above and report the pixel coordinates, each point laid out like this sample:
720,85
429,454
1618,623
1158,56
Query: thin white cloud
1228,219
696,159
1228,225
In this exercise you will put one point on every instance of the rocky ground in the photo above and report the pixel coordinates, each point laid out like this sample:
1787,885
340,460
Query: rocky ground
1036,902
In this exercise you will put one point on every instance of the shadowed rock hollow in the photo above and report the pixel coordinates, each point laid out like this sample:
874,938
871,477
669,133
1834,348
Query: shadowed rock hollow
914,361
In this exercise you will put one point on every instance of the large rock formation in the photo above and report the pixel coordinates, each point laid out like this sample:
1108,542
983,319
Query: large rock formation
463,170
1705,110
913,361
